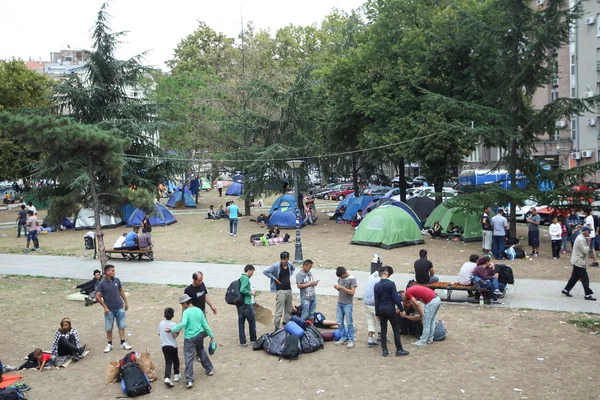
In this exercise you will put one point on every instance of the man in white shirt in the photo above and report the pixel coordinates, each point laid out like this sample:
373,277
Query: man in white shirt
499,226
466,271
120,243
589,222
31,207
220,187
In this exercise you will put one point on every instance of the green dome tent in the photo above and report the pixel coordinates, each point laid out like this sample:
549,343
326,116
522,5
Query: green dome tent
205,184
388,227
470,222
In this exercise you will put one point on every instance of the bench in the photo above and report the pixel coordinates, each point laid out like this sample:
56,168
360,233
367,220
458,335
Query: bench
130,254
450,286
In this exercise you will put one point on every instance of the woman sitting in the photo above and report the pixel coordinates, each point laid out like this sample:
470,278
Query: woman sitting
66,341
436,230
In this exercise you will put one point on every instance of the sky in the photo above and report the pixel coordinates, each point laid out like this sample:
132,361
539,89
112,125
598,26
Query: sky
33,29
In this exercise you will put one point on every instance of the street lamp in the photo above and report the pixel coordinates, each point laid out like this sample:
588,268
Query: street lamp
295,164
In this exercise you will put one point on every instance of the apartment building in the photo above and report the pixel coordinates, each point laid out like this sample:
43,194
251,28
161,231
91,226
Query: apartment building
61,64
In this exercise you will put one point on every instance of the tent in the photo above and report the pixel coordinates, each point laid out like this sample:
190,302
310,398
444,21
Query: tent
238,177
85,220
471,222
181,193
346,201
388,227
205,184
286,200
67,223
161,216
374,204
284,217
435,215
406,208
235,189
357,203
422,206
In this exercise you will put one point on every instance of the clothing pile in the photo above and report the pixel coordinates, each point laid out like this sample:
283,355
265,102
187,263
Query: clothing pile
296,338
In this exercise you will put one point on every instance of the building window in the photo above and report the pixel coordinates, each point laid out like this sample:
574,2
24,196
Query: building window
572,92
573,126
598,25
475,156
555,135
554,95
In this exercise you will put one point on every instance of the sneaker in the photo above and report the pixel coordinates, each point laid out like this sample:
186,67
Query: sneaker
350,344
125,346
189,385
563,252
108,348
496,302
340,342
419,344
82,350
532,254
589,297
231,234
244,344
177,377
211,372
23,387
497,291
8,368
566,293
594,264
384,353
537,254
554,258
35,249
26,251
372,344
88,301
429,341
168,383
401,353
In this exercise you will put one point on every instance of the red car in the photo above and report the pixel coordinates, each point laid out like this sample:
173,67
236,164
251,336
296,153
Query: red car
562,209
346,190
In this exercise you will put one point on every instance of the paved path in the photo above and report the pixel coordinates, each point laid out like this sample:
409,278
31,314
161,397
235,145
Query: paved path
525,293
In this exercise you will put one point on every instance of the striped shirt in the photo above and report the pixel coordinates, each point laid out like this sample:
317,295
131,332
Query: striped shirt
59,334
144,241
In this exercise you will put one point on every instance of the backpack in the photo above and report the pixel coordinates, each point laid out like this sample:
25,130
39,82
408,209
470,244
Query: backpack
260,343
134,381
312,340
273,343
129,358
299,321
505,274
11,393
519,253
439,333
233,295
291,348
256,236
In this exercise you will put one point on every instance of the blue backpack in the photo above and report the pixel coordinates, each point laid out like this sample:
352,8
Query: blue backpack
11,393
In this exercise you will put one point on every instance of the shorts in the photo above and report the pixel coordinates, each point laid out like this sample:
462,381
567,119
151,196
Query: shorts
533,238
371,319
109,320
487,239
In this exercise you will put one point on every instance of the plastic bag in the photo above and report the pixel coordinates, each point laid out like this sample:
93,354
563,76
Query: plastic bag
511,253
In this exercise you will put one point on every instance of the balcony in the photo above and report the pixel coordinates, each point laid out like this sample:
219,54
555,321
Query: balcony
598,66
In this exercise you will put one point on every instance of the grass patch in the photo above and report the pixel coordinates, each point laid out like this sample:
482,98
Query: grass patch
589,325
177,286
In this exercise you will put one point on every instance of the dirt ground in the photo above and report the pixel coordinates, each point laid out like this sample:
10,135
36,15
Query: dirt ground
489,353
196,239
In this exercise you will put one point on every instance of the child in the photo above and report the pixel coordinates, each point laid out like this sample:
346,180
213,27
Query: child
346,287
169,347
43,359
564,236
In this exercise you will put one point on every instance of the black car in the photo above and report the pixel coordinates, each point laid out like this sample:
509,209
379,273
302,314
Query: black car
326,193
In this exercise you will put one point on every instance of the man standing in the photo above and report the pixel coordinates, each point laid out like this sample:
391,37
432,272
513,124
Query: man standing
486,230
369,302
220,187
32,233
246,310
590,223
386,300
199,294
346,287
233,219
110,295
579,256
308,297
196,329
424,272
533,237
22,221
31,207
428,316
280,274
499,226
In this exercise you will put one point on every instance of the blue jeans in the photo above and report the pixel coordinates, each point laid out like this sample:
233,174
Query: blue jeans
233,225
564,243
433,279
33,235
21,224
246,313
430,310
494,285
347,329
308,309
109,320
498,247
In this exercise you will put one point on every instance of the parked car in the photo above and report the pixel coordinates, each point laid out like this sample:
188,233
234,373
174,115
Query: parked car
429,191
561,209
344,191
418,181
396,182
376,191
326,193
522,212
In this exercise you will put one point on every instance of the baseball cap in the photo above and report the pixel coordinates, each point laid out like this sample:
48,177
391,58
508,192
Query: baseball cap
184,299
586,229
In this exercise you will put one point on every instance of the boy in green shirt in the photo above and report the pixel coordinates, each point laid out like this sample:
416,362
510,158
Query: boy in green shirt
196,329
246,310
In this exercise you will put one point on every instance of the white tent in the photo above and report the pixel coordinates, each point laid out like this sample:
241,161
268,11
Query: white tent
85,220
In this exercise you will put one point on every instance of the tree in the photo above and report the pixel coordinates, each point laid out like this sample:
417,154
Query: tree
20,88
106,95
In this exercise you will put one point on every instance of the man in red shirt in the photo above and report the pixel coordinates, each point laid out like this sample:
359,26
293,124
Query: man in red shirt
428,315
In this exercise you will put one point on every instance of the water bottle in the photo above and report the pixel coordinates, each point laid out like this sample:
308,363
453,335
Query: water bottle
481,300
253,295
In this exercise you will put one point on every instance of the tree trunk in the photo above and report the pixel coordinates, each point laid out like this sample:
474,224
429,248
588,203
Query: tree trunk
247,209
324,173
96,207
355,175
402,177
512,219
438,184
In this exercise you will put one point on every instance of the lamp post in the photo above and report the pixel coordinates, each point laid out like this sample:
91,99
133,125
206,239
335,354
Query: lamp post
295,164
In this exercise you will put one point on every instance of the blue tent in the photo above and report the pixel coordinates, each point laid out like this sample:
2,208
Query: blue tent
374,204
238,178
285,218
161,216
127,210
235,189
178,195
346,201
286,200
67,223
407,209
357,203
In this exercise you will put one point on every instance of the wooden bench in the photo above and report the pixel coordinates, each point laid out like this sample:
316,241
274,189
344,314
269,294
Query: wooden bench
130,254
450,286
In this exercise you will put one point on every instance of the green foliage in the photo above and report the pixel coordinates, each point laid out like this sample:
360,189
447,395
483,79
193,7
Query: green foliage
140,198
